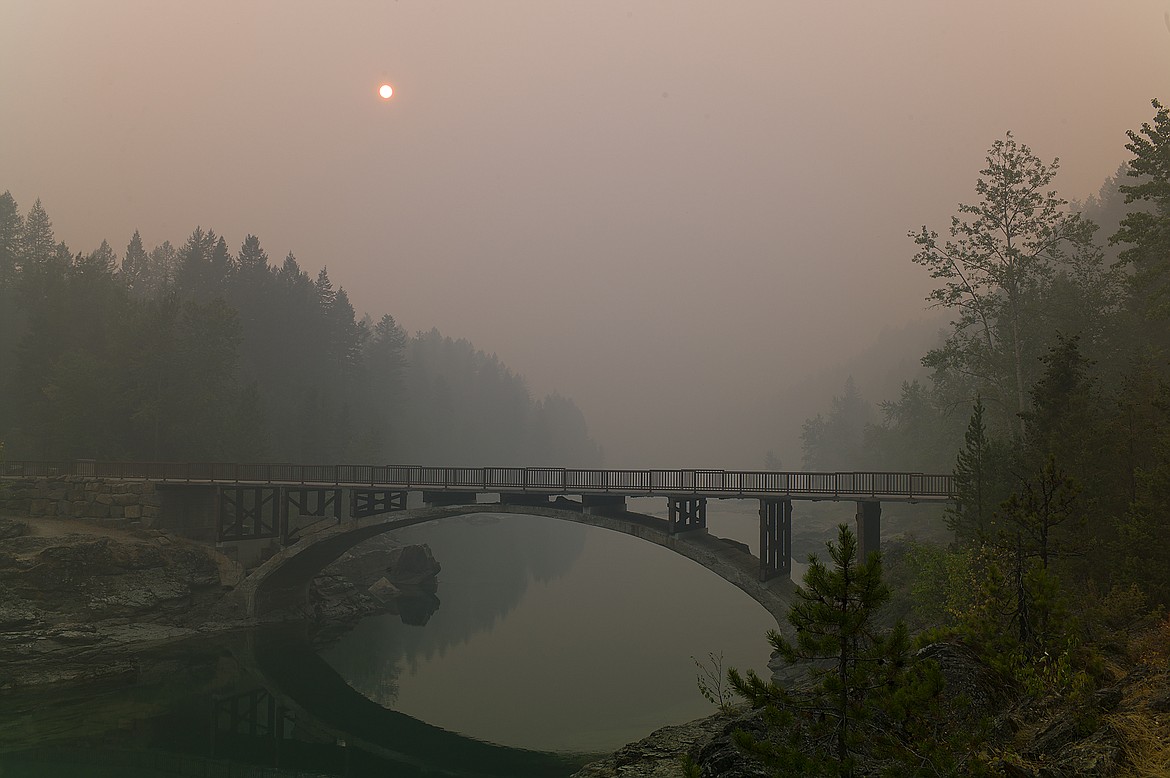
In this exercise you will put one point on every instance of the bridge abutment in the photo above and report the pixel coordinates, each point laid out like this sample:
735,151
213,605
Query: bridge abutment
869,527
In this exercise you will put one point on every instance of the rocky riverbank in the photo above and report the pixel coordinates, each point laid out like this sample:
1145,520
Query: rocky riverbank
1123,729
78,599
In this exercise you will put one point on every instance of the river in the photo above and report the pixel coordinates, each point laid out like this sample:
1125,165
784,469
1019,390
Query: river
555,641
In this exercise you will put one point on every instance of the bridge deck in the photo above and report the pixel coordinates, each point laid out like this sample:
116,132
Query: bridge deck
883,486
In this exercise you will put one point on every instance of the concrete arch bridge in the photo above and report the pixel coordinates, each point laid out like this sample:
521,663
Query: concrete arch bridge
287,522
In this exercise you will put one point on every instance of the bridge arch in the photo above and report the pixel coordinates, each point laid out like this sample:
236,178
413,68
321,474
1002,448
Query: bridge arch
282,581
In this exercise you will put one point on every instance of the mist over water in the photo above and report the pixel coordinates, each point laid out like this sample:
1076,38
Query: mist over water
649,235
587,656
673,214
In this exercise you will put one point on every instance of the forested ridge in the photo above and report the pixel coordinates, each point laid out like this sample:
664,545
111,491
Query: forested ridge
1048,397
1049,394
200,353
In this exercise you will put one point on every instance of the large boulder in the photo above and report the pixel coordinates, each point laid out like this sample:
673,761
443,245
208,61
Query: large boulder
412,566
377,576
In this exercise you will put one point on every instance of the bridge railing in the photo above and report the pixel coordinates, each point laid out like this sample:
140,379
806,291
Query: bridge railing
548,479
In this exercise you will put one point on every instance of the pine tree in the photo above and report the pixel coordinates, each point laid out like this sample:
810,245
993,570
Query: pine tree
163,270
857,667
11,317
324,287
135,265
252,260
11,229
1147,230
1032,528
101,261
38,247
980,480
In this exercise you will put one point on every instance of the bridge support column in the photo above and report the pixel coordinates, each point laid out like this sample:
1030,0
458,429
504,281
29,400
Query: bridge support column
371,502
775,538
247,512
309,503
869,527
687,513
602,503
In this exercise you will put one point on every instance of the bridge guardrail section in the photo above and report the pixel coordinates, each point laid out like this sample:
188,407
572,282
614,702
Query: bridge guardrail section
843,485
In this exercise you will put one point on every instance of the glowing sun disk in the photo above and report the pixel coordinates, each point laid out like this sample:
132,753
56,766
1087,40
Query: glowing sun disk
385,91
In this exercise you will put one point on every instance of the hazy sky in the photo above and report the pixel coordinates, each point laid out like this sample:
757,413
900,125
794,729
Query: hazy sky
668,211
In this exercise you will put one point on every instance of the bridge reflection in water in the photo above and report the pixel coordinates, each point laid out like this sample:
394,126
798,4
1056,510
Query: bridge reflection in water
261,704
310,691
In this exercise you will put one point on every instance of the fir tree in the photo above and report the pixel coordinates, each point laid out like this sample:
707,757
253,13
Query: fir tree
38,246
980,480
135,265
1147,229
11,229
857,667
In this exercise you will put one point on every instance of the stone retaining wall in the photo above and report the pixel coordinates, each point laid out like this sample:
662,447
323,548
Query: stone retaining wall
81,497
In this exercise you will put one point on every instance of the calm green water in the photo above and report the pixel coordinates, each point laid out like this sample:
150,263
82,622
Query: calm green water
585,658
552,641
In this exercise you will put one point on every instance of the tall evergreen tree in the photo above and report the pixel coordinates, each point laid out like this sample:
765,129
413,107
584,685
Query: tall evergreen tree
11,235
856,666
204,266
38,247
1031,531
982,480
1146,230
1143,543
11,313
252,260
164,269
102,261
324,287
135,265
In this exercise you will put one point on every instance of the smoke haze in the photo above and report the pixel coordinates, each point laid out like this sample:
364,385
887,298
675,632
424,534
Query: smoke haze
672,212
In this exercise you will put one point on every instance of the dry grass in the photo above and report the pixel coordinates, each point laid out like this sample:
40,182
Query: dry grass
1152,648
1145,740
1145,733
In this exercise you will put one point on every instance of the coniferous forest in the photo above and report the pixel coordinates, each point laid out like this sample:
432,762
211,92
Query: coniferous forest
1048,397
1049,394
197,352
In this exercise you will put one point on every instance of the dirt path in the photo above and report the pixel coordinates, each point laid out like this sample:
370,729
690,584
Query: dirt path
54,527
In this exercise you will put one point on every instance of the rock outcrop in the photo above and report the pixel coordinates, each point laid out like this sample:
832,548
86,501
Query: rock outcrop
661,754
79,598
1121,729
72,596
